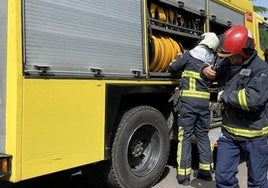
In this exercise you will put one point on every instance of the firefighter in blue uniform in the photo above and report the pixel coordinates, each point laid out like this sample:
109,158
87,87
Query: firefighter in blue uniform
243,80
194,118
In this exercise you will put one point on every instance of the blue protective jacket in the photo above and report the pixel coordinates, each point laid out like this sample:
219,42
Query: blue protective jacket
194,88
245,98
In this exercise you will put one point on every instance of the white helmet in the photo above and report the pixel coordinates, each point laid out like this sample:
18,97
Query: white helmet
210,40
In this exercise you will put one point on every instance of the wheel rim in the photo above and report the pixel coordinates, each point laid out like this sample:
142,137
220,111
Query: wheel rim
144,149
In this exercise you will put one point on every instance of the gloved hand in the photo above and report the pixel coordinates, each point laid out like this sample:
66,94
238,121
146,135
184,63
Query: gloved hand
175,99
219,97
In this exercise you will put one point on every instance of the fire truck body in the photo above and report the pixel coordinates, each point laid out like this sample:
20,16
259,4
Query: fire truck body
86,81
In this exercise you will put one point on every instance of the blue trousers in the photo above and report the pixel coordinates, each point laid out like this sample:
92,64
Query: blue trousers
193,121
228,158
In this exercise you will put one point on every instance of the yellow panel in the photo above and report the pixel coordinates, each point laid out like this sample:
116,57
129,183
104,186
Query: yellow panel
14,86
237,4
63,125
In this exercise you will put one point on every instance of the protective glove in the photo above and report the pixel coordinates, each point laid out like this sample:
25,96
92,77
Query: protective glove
219,97
175,99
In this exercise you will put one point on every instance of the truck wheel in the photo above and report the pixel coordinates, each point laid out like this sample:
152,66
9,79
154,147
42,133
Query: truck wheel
140,149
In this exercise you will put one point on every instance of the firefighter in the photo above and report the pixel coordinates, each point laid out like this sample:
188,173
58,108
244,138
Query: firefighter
194,118
243,78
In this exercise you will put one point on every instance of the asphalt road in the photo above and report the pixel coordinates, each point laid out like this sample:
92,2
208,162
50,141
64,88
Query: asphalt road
168,179
77,180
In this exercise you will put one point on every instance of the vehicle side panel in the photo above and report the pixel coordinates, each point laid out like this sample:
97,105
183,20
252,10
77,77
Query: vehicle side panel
3,29
63,125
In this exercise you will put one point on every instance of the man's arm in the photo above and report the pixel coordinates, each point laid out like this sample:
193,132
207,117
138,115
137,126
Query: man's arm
252,97
177,65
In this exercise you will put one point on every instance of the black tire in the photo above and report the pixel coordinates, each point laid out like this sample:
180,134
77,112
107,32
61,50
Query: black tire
140,149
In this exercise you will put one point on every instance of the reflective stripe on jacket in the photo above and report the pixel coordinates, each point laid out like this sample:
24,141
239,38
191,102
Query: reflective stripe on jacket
194,88
245,98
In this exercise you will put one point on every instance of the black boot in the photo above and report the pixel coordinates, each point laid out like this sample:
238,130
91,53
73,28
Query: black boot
204,175
184,181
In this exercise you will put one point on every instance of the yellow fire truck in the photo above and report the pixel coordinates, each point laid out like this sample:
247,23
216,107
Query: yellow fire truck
83,82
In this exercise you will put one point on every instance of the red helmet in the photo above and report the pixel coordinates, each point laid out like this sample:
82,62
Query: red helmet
236,40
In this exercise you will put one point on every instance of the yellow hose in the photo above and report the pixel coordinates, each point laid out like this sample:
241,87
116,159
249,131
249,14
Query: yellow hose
166,49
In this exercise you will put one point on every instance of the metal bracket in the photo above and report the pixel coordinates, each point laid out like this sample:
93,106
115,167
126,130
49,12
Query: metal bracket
213,18
96,71
229,23
42,68
136,72
202,12
181,4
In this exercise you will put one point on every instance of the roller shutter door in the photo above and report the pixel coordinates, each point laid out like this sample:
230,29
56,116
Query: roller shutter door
76,37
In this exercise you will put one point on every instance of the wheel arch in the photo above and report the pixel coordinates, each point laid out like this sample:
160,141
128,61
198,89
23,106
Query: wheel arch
121,98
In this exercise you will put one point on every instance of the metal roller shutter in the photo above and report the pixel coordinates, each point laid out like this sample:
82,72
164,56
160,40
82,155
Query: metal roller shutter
71,37
224,15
